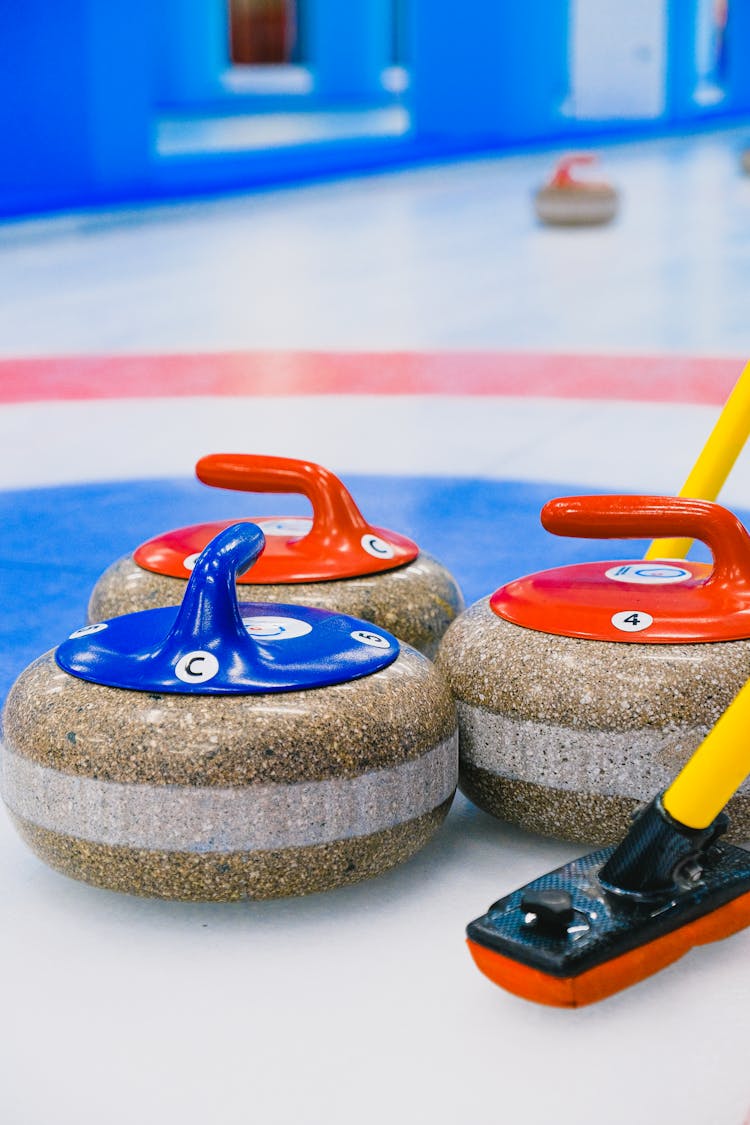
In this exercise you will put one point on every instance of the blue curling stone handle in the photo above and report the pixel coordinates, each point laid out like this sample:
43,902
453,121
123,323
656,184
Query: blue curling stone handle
214,645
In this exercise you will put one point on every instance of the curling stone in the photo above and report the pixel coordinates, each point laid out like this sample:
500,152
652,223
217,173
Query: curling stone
745,161
223,750
336,560
581,690
565,201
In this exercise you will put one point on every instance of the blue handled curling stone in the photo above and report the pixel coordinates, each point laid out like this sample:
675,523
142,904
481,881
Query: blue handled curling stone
225,750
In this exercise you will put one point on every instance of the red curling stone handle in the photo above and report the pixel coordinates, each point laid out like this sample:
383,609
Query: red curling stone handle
562,175
336,517
340,543
657,517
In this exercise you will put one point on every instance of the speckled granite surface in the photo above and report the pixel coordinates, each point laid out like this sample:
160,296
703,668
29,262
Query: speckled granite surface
587,818
576,206
549,724
277,794
416,602
231,876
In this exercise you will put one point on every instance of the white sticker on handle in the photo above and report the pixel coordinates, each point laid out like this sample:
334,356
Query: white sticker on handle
196,667
632,620
374,640
267,628
87,630
376,546
290,527
648,574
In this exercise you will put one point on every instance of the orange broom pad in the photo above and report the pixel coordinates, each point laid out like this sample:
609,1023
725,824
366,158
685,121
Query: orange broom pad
612,976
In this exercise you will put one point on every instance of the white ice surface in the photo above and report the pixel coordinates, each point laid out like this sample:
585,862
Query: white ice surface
432,257
362,1005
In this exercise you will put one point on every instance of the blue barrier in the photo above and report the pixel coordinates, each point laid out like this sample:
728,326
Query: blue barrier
490,78
192,51
349,47
75,101
86,86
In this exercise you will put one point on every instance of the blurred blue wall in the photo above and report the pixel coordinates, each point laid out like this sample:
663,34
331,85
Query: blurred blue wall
85,83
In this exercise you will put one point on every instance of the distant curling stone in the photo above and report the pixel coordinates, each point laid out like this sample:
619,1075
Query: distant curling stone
335,561
566,734
565,201
288,751
745,161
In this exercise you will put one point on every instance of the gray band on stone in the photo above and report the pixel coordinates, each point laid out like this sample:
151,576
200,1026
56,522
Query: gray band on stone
213,819
562,206
635,764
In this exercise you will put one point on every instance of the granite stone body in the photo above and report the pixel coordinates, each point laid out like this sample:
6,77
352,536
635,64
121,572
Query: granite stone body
217,797
576,206
567,736
416,602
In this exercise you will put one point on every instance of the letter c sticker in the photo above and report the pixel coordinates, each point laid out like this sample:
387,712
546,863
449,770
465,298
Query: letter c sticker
196,667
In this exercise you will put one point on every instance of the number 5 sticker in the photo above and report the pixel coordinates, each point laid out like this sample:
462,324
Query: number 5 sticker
632,620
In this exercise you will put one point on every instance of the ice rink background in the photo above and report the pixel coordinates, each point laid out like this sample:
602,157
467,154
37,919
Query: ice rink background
362,1004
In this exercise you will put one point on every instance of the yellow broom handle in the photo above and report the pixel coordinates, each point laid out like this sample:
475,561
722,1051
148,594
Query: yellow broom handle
714,462
717,768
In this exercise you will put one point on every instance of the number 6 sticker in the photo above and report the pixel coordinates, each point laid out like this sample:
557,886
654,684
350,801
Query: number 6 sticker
632,620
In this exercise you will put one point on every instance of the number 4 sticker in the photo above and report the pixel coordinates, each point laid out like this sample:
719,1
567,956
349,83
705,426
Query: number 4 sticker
632,620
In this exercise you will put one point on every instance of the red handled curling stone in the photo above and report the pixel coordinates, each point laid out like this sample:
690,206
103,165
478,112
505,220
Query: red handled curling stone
222,750
566,201
580,690
335,561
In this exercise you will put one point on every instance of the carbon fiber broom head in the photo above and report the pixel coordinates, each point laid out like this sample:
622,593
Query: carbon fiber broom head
609,919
